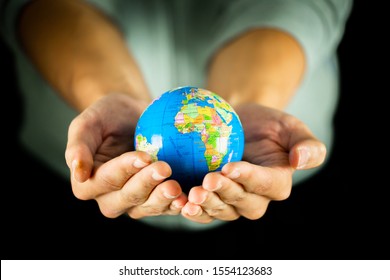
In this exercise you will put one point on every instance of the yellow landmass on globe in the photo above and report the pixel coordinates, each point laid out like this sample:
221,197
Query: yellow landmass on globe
143,145
210,121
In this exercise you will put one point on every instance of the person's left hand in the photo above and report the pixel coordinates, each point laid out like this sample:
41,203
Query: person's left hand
276,144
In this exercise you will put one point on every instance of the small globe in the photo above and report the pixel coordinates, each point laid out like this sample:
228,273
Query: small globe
192,129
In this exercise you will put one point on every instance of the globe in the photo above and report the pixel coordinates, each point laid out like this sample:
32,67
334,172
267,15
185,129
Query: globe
192,129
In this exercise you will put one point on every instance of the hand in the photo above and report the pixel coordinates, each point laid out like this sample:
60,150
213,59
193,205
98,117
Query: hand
276,144
104,167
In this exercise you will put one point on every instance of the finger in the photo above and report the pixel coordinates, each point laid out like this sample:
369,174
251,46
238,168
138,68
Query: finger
307,154
80,162
249,205
161,201
112,175
136,190
178,204
83,140
212,204
195,213
306,151
273,183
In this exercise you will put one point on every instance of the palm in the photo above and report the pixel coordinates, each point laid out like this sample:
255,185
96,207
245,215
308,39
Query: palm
112,132
266,137
113,145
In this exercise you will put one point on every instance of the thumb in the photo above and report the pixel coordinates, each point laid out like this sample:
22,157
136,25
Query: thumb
81,146
80,162
307,154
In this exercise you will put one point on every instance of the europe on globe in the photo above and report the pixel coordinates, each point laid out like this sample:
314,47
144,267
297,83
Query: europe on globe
192,129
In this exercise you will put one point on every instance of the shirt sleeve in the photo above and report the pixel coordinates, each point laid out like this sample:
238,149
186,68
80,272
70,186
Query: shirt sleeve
10,11
317,25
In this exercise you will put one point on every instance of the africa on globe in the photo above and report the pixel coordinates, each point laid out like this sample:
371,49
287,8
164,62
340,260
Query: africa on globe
192,129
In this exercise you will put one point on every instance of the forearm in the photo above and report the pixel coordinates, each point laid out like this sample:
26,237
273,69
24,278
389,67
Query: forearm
79,52
263,66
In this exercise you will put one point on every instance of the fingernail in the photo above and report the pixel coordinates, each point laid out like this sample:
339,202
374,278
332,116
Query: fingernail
304,155
75,164
192,211
167,195
234,174
214,187
157,177
202,199
218,186
176,204
139,163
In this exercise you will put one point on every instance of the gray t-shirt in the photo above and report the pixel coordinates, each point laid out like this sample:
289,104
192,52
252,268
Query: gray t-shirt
172,42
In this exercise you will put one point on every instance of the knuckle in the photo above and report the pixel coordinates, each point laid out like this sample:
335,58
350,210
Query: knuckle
216,211
264,186
153,211
231,217
109,212
134,214
132,199
256,214
80,194
235,199
109,183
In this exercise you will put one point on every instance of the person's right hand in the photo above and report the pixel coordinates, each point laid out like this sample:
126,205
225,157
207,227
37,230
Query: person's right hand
104,166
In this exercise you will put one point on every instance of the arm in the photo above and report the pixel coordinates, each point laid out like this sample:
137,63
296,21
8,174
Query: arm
264,66
84,57
79,51
258,73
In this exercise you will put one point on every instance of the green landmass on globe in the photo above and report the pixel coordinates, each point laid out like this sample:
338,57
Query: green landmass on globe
194,130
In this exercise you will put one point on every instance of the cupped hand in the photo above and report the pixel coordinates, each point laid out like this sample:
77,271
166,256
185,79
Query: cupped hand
104,166
276,144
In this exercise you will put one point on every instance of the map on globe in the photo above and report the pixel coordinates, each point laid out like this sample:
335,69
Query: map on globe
192,129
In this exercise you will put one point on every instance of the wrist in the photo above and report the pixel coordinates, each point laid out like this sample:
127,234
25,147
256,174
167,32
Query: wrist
85,90
269,95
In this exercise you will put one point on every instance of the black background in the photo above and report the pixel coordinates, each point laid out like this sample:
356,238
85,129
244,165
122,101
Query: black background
341,214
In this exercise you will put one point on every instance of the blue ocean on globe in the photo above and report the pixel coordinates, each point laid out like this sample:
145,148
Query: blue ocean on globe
192,129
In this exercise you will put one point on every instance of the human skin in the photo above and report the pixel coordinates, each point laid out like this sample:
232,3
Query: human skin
258,73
